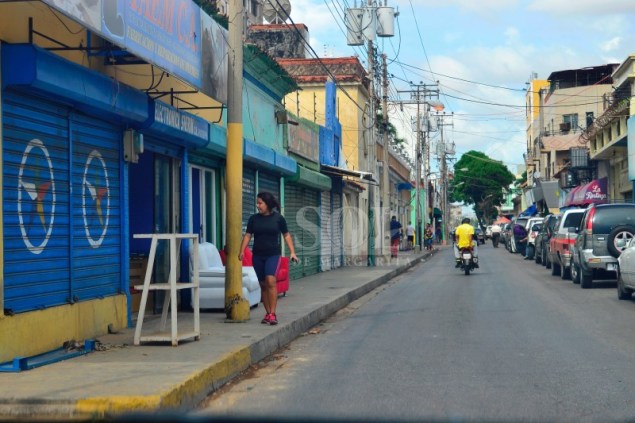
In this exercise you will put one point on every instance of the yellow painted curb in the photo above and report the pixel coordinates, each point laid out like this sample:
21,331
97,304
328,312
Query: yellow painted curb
193,388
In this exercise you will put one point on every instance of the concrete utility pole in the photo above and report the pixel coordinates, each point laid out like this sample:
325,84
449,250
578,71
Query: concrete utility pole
371,154
444,180
418,97
385,210
236,307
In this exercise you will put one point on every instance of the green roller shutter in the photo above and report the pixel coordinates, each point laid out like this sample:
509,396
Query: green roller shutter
293,198
249,195
311,232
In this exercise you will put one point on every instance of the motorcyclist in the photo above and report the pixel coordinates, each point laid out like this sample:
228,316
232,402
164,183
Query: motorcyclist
464,238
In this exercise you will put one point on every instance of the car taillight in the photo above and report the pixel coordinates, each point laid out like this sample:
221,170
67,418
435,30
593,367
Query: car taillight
589,221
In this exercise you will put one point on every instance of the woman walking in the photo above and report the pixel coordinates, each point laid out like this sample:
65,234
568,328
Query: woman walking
266,227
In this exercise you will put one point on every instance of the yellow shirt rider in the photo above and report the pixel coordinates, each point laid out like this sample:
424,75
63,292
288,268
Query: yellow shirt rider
464,234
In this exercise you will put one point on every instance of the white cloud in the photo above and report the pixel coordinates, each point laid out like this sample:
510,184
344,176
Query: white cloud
583,7
612,44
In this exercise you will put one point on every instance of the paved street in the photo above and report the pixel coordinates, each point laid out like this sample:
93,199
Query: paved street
508,342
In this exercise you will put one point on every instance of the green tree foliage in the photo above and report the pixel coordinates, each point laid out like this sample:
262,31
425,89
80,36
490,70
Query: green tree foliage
480,181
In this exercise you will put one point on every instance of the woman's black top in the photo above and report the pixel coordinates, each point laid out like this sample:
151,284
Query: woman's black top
266,231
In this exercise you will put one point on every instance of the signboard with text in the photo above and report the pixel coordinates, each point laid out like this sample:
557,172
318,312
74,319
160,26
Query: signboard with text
174,35
304,141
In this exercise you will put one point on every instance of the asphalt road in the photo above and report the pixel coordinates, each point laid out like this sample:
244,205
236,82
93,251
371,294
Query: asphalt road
509,342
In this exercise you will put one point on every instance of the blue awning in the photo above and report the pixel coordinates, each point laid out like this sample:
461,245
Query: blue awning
26,66
529,211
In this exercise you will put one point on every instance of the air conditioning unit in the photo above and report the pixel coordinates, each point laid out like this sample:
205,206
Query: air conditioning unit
565,126
567,180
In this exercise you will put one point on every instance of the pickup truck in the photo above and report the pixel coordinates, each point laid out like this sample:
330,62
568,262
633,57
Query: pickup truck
563,238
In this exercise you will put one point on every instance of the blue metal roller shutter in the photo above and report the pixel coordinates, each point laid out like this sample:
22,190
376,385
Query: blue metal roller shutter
96,208
36,203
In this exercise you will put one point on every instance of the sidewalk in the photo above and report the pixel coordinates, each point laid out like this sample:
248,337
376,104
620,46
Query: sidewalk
124,378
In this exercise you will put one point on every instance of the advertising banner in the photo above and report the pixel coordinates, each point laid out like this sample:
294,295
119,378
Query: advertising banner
167,34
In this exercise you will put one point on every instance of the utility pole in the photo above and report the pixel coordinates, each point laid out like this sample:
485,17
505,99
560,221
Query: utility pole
422,94
371,153
385,209
444,180
236,307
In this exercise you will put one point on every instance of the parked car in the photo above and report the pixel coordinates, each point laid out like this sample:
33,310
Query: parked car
565,233
505,233
605,231
488,232
626,272
531,239
542,239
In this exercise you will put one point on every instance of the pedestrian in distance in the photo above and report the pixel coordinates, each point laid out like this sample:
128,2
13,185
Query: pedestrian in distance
496,233
428,237
395,236
520,238
410,233
266,227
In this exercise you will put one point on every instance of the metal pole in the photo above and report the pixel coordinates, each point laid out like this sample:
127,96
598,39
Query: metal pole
426,149
236,307
418,157
372,162
385,210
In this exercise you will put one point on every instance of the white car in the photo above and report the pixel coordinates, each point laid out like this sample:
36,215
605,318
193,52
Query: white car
488,232
626,271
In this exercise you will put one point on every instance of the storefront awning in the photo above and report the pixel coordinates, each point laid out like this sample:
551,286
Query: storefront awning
338,171
312,179
595,192
29,66
550,193
268,158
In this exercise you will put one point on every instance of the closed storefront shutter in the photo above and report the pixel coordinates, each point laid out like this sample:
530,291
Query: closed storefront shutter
96,209
249,195
293,203
327,232
337,231
311,232
269,183
57,248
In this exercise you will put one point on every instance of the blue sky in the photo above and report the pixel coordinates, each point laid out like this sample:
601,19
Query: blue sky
489,42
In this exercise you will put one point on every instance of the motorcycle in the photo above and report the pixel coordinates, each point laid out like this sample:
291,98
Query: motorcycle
468,261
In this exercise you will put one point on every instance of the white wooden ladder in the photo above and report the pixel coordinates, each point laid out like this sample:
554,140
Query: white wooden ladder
172,286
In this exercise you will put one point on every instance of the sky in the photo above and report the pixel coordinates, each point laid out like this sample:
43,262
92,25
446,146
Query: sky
483,54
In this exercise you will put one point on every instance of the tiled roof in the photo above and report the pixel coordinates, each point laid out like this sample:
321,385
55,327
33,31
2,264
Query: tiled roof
561,142
344,69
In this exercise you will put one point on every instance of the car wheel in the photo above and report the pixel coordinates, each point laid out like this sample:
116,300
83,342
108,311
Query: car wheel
543,257
548,263
619,239
586,279
623,293
575,273
555,269
565,273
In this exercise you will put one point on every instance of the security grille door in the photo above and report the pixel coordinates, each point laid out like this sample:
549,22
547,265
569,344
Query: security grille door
36,203
326,262
311,232
59,248
96,209
270,183
249,196
337,230
293,203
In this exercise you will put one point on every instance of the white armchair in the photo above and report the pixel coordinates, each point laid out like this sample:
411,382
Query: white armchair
212,279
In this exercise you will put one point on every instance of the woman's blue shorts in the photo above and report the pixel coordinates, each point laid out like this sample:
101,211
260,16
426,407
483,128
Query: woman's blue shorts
265,266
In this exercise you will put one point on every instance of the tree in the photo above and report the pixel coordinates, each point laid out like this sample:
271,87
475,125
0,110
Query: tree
481,181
